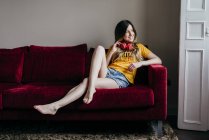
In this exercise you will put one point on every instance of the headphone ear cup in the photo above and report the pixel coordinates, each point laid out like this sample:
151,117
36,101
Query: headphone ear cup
123,45
129,46
126,46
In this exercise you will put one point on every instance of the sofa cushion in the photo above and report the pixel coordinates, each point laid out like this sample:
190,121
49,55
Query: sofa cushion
55,64
11,64
5,86
26,96
122,98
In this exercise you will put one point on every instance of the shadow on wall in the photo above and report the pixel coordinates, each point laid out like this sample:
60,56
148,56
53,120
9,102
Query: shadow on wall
163,38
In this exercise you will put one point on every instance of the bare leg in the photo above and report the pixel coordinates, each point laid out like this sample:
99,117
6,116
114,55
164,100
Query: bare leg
98,69
71,96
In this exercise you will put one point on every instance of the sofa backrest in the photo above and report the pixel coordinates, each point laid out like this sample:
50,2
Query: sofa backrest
50,64
55,63
11,64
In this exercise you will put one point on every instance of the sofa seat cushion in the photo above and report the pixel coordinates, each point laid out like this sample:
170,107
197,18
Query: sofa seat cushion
28,95
123,98
5,86
55,64
24,97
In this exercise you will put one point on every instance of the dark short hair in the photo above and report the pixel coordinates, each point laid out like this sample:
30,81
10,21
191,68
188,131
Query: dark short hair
121,28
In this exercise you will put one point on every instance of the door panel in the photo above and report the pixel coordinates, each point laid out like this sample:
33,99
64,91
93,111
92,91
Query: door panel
193,66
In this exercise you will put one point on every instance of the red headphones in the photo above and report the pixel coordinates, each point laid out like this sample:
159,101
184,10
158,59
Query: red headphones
126,46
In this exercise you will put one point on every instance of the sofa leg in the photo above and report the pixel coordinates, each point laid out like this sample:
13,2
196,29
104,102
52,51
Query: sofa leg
158,128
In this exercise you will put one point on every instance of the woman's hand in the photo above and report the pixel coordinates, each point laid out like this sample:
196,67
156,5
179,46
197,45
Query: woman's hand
134,66
113,49
115,46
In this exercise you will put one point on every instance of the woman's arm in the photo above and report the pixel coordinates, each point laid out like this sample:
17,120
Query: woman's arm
152,59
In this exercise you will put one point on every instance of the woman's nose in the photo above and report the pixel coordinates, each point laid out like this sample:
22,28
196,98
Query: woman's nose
131,33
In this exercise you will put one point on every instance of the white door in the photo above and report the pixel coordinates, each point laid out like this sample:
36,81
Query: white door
193,109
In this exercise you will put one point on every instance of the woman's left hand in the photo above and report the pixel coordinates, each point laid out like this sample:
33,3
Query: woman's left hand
134,66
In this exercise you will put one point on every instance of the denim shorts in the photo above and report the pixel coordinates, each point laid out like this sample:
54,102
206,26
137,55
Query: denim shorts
118,77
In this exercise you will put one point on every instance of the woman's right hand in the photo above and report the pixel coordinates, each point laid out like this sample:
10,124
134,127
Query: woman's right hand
116,44
113,49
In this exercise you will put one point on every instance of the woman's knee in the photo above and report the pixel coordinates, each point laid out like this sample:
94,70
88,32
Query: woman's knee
100,49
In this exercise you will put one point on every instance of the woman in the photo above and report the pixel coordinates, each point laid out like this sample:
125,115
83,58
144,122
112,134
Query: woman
116,70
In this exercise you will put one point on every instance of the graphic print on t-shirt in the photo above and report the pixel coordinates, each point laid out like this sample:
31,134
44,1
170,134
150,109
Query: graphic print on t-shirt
127,56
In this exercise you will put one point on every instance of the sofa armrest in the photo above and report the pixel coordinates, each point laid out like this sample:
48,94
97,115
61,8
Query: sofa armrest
157,80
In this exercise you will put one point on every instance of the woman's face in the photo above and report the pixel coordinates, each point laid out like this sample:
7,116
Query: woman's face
129,35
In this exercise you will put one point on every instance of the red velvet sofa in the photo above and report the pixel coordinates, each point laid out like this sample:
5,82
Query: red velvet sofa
41,74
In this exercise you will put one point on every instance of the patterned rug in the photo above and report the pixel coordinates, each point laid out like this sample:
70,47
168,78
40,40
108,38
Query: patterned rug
82,131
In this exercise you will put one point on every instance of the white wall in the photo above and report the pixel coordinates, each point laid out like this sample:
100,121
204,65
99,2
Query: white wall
70,22
66,22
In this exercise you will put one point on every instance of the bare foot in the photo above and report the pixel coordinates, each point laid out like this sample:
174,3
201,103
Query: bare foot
46,109
89,96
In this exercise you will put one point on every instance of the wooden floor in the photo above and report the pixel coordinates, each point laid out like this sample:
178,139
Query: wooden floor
187,134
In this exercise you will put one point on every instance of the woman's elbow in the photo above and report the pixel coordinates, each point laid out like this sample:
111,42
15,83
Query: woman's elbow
159,60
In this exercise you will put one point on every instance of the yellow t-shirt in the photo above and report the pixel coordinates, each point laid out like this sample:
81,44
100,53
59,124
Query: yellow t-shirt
122,63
